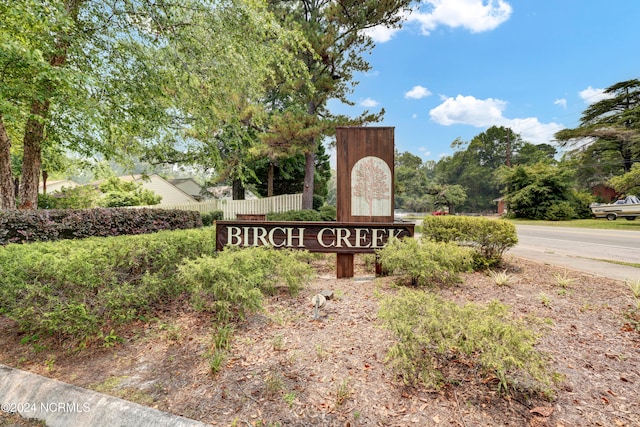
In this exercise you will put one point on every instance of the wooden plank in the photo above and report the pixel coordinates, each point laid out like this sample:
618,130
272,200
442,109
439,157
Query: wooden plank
327,237
344,266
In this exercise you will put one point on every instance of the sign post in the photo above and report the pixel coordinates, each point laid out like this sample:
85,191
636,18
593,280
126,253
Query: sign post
365,190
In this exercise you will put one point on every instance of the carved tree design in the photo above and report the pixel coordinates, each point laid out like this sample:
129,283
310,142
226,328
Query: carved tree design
370,181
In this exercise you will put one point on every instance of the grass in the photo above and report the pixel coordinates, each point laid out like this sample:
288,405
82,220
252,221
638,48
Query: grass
619,224
628,264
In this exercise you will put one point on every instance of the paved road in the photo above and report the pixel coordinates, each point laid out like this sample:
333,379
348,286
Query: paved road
581,249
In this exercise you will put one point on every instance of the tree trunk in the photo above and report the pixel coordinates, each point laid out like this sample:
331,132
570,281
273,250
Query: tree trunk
34,128
309,165
270,180
237,190
45,176
309,175
7,190
32,156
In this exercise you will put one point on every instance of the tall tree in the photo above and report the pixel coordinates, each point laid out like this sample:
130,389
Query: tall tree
611,125
336,31
540,191
475,162
412,176
122,77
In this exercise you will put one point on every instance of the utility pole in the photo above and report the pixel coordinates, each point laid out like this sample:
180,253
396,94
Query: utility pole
508,147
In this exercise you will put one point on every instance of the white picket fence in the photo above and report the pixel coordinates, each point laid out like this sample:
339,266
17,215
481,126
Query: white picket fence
230,208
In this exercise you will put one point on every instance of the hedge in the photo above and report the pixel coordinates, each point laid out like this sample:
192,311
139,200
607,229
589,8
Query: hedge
23,226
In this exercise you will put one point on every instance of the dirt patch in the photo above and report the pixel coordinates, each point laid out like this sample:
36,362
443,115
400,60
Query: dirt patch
286,368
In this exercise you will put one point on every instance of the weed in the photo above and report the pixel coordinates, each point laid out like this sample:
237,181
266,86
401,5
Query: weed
289,398
273,383
173,331
635,291
321,352
499,278
110,340
222,337
215,359
586,307
544,299
277,342
343,391
50,362
564,280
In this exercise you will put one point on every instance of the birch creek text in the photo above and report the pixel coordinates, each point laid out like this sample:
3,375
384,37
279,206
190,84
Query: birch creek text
315,237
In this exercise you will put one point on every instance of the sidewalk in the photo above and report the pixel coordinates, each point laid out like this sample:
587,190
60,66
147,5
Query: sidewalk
63,405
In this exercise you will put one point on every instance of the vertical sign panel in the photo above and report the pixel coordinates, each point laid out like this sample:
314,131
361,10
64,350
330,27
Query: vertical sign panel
365,161
365,164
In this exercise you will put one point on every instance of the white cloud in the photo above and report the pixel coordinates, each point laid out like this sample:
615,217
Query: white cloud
381,34
474,15
369,103
468,110
591,95
417,92
561,102
484,113
425,152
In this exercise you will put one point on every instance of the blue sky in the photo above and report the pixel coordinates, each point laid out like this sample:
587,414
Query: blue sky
458,67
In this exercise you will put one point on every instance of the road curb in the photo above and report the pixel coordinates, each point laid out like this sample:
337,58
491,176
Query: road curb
60,404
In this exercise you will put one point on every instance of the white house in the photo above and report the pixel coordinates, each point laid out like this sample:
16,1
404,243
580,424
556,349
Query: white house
56,185
171,195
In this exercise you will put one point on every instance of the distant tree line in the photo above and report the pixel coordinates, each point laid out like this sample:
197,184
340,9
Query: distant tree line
604,150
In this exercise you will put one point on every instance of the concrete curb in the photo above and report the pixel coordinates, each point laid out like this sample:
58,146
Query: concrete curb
62,405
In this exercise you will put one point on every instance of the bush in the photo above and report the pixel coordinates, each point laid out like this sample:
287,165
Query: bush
232,283
327,213
425,263
489,238
318,202
78,290
210,218
118,193
560,211
80,197
432,332
18,226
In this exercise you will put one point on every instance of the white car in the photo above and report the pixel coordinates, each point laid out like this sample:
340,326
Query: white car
399,215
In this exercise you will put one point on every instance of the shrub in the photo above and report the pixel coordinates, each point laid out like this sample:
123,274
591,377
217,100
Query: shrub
560,211
80,197
489,238
18,226
231,283
210,218
118,193
318,202
78,289
325,213
431,332
425,263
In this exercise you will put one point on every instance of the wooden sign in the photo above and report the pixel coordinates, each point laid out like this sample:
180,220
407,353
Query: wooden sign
365,178
334,237
365,164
